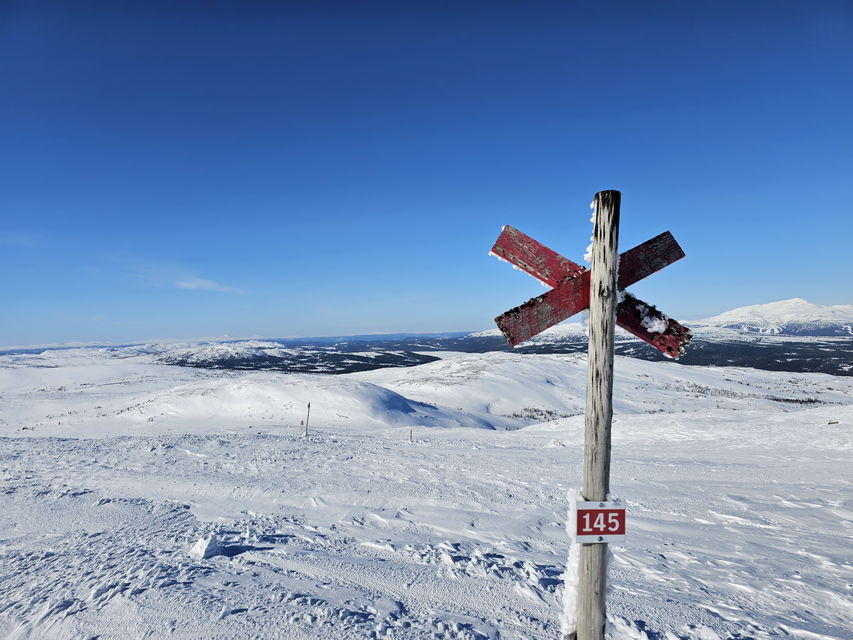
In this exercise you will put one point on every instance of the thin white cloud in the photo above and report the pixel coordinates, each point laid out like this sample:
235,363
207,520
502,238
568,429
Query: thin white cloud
203,284
167,274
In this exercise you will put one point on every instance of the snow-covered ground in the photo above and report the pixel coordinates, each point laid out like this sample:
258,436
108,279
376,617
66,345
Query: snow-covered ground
426,502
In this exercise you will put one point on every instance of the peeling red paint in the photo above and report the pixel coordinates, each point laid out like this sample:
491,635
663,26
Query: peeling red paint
570,293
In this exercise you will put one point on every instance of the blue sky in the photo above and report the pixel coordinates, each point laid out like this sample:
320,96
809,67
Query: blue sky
289,169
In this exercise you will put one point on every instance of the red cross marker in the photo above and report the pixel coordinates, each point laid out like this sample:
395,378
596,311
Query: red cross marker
570,292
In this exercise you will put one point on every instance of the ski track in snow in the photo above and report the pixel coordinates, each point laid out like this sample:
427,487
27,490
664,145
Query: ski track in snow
738,489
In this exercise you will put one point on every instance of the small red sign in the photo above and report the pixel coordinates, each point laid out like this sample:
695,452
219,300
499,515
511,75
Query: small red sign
598,522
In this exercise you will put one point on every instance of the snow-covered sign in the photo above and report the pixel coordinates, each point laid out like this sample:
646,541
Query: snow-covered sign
597,522
570,292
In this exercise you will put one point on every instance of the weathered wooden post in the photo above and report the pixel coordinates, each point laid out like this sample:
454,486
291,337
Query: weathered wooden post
595,521
592,584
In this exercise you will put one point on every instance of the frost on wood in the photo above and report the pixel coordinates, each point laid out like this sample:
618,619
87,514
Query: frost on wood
646,322
655,325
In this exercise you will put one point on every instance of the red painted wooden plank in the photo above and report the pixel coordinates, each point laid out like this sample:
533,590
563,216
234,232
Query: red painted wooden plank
572,295
644,259
550,267
541,312
539,261
638,318
632,314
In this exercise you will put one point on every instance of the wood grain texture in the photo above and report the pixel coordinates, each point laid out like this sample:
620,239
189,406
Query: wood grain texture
647,258
544,311
592,585
602,316
544,264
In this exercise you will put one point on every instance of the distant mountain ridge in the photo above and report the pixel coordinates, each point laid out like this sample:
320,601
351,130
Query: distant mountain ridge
293,358
790,335
795,317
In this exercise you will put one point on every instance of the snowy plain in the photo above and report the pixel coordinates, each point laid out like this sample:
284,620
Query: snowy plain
425,502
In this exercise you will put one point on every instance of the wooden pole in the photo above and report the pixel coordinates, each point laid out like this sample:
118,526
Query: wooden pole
591,606
306,420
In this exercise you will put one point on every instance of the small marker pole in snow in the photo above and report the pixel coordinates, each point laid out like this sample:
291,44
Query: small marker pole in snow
306,420
592,583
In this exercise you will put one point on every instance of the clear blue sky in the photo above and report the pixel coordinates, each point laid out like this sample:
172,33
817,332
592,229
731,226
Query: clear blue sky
189,169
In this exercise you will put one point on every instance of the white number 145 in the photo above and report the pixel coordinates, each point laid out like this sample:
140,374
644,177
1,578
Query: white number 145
599,523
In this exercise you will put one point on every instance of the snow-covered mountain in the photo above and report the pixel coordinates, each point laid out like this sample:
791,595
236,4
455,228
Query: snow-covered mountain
795,317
